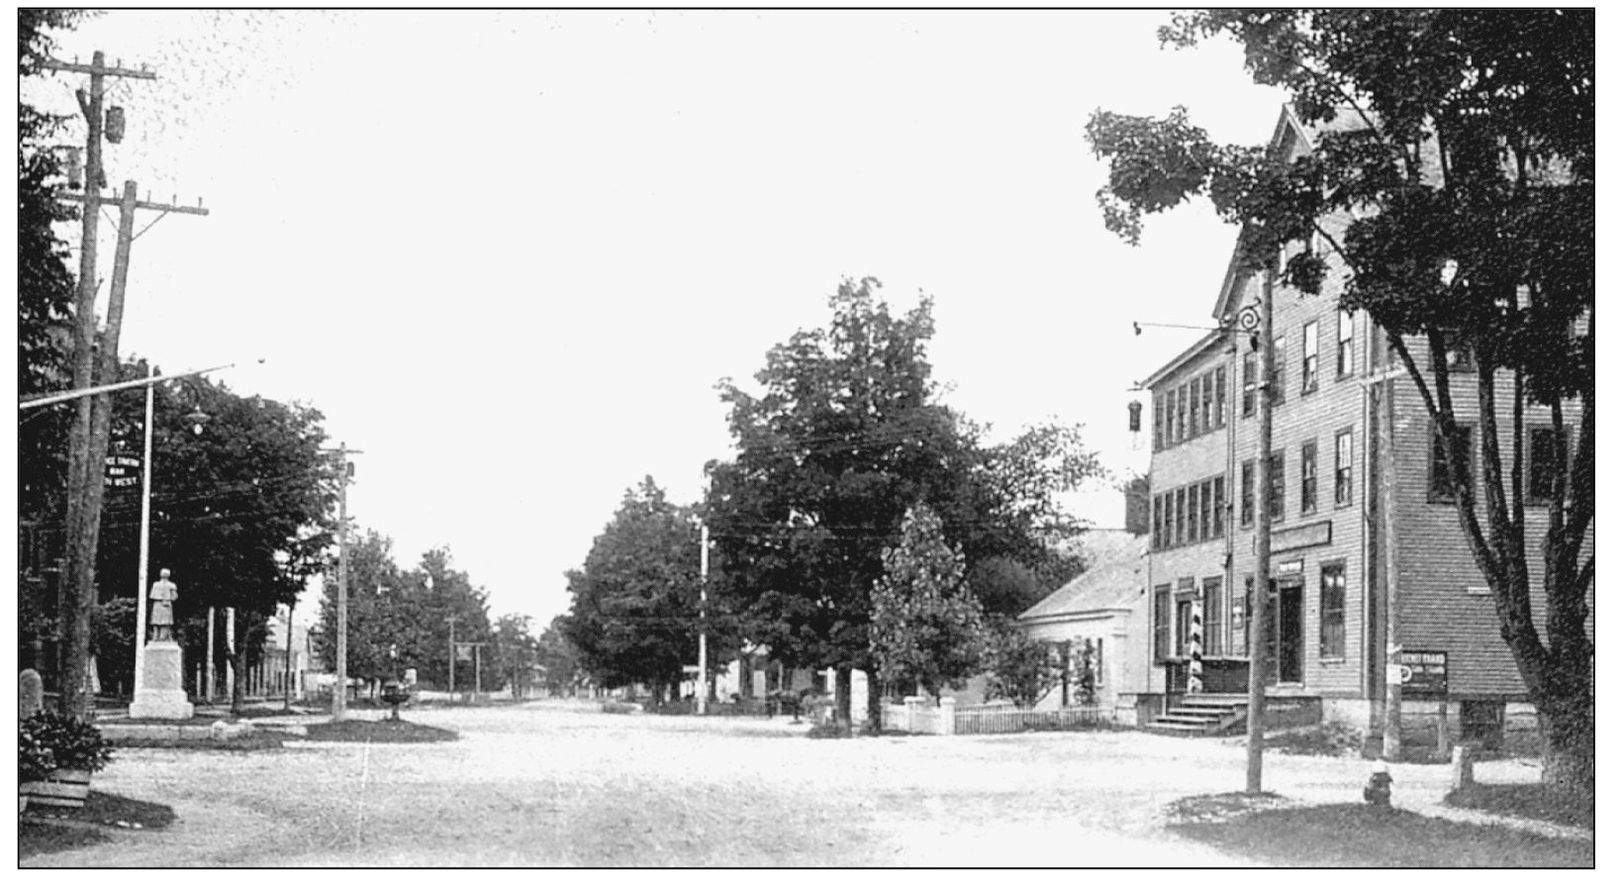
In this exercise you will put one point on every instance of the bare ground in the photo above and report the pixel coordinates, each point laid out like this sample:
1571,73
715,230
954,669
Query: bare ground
557,784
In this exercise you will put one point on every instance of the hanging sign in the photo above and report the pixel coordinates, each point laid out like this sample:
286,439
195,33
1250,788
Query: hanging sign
123,471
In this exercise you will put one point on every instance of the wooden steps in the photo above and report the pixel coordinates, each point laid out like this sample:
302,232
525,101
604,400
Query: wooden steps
1202,714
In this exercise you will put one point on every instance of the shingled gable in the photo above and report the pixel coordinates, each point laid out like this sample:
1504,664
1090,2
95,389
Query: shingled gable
1114,576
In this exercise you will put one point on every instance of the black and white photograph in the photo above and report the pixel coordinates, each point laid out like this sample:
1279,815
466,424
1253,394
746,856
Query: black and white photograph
786,438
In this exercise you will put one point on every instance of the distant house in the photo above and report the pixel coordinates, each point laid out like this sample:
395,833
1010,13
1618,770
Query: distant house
1102,605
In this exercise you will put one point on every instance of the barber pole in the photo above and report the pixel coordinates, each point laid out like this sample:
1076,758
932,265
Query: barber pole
1194,648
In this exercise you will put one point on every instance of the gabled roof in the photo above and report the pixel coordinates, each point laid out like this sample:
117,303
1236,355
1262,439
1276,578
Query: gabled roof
1115,570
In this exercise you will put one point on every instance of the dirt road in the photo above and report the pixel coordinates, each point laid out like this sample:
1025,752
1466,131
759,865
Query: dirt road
550,784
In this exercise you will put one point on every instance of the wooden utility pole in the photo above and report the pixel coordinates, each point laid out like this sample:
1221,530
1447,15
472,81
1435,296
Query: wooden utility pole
1391,576
87,448
1258,661
340,689
452,658
702,628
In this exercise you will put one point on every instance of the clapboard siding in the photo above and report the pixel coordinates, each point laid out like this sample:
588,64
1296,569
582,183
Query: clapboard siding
1444,604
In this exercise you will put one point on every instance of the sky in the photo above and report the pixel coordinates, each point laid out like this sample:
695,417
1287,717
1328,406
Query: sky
509,255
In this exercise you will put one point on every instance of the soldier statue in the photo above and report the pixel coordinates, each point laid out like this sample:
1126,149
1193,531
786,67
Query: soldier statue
163,594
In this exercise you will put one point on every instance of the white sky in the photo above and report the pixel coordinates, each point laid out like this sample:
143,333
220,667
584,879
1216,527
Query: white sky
509,254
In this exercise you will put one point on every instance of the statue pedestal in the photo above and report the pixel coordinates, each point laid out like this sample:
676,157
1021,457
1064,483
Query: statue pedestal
162,695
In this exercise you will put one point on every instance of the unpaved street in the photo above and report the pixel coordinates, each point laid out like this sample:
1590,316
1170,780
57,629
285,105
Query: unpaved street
562,784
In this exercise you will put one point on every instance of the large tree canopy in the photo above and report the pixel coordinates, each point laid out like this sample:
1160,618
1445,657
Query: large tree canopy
1451,184
846,434
634,614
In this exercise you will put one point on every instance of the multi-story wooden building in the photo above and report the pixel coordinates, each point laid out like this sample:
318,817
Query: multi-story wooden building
1335,520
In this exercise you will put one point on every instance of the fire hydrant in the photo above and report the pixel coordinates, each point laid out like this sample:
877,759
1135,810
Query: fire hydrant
1378,789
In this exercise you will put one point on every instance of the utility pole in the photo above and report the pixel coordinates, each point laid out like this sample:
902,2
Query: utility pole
340,694
88,439
702,627
286,680
1258,662
452,659
1391,575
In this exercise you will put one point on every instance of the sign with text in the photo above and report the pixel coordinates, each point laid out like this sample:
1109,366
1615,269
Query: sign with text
1302,536
123,471
1429,673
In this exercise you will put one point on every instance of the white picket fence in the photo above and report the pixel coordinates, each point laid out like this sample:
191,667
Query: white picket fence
920,716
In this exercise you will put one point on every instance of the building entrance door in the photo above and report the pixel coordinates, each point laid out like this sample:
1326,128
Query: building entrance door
1284,631
1290,630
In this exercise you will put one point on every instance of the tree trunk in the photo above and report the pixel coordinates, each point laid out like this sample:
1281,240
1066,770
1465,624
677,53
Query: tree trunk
842,692
1568,735
874,705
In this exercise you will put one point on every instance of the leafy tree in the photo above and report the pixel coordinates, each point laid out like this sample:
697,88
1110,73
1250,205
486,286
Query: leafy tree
926,626
1452,182
378,598
514,654
558,657
45,290
846,435
400,619
242,505
634,611
1021,668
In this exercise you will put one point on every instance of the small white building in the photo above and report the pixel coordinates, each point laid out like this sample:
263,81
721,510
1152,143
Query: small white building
1103,605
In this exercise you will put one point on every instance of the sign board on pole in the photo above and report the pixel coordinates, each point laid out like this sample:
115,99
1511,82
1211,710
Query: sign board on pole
123,471
690,669
1429,673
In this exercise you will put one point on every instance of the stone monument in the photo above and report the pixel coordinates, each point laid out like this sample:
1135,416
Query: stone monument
162,695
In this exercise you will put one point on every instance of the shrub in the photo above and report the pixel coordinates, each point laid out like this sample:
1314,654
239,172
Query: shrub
34,759
72,744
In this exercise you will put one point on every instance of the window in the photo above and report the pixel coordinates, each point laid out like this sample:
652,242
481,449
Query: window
1157,423
1312,358
1213,632
1344,469
1240,613
1542,465
1278,374
1250,370
1205,505
1458,354
1208,402
1307,478
1158,521
1248,493
1180,414
1441,484
1194,410
1332,610
1180,516
1160,622
1219,397
1278,486
1219,507
1346,344
1194,509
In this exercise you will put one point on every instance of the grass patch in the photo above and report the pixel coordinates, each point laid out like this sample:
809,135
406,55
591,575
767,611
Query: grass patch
1356,835
378,732
42,837
40,831
1327,739
255,740
1533,801
109,810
